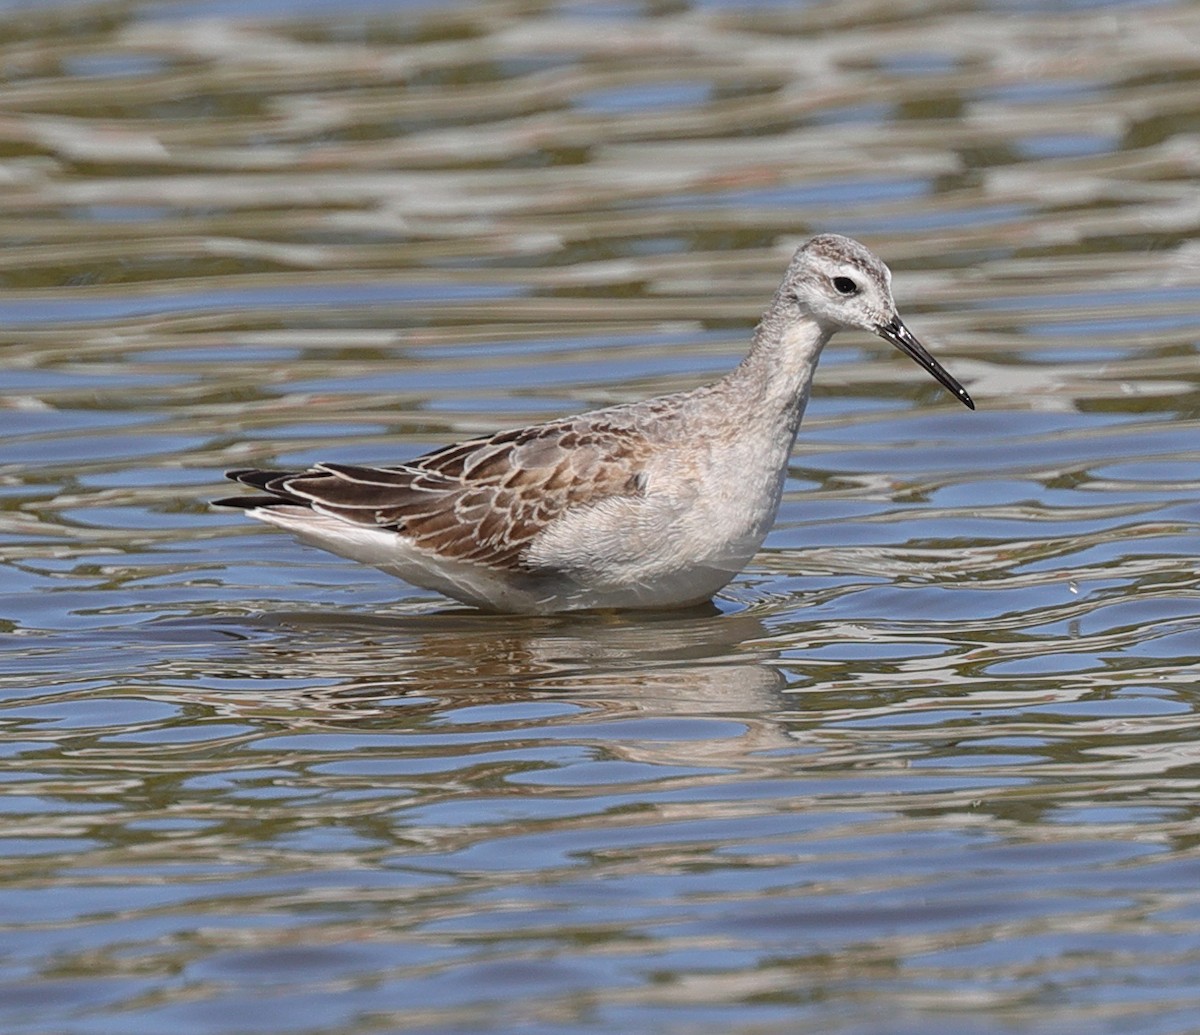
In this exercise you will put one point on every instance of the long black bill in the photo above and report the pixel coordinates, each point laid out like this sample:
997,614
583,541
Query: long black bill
906,342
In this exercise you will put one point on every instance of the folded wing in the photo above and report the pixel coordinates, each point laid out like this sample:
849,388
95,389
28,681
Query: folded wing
484,500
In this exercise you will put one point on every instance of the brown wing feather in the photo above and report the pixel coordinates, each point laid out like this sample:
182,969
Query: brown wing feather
514,484
483,500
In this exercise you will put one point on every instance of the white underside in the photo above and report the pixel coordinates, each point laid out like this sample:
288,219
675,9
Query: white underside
646,581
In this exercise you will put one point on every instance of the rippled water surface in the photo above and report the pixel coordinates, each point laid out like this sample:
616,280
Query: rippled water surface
932,763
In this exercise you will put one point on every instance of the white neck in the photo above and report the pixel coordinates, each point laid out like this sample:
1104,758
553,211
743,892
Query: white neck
777,373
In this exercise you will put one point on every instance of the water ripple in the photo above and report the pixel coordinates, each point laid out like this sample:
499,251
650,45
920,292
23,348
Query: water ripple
929,763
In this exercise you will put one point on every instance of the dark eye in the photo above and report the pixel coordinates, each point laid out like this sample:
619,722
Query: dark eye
845,286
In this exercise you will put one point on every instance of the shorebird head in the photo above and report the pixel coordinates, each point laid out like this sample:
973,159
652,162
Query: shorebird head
843,285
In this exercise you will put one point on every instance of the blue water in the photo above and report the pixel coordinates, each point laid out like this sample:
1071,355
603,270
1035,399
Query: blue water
928,764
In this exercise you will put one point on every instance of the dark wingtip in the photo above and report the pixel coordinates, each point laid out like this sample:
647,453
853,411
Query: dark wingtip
255,477
269,482
246,502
